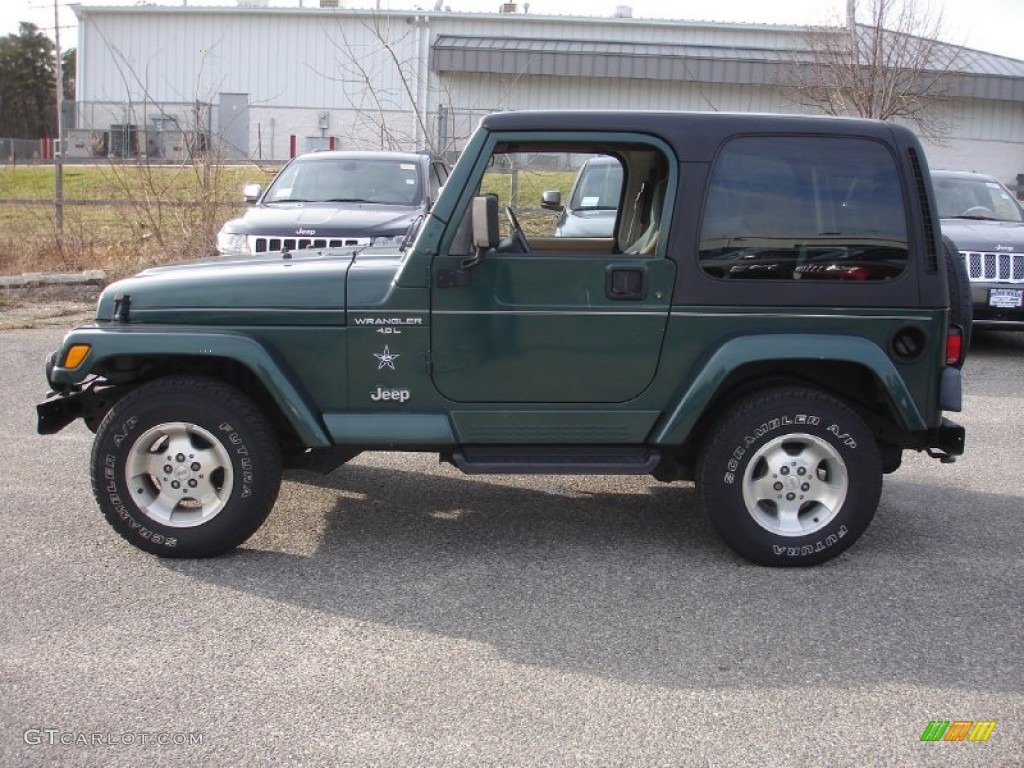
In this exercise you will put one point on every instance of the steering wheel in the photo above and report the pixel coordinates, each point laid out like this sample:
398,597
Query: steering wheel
979,210
516,232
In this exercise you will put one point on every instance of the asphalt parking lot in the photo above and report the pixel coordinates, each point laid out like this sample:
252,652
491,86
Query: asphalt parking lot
398,613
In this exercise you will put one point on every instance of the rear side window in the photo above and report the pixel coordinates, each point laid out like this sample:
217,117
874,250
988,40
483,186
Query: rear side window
804,208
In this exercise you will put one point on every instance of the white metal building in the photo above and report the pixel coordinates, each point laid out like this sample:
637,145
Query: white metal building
245,79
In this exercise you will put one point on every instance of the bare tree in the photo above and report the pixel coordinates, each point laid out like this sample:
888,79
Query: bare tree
380,65
891,68
174,201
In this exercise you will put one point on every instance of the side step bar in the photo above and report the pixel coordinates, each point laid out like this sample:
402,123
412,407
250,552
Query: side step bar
556,460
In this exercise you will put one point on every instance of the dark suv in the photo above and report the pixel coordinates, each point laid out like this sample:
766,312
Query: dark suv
986,223
773,317
332,198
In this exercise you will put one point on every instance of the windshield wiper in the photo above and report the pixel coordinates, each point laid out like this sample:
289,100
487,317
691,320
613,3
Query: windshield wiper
289,200
345,200
411,232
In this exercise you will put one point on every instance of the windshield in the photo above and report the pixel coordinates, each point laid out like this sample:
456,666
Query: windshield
599,185
976,198
385,181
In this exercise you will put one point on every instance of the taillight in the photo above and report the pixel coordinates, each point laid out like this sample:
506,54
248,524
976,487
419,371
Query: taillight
954,345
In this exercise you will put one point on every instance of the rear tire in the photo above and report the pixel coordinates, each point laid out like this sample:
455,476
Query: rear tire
185,467
790,477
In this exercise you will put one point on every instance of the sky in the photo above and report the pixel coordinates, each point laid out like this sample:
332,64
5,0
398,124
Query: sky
996,26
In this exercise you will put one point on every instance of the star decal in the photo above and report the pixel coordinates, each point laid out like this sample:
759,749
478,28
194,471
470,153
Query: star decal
386,358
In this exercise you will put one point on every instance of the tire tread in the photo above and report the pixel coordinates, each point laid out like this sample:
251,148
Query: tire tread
723,432
207,390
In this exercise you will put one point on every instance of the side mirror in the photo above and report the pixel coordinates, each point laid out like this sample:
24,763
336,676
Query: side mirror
551,200
485,222
251,193
483,225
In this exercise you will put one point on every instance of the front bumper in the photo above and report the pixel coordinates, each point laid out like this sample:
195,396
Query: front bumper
986,315
88,401
55,413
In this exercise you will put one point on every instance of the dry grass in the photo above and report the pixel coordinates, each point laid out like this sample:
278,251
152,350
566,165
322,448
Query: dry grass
119,239
118,218
129,217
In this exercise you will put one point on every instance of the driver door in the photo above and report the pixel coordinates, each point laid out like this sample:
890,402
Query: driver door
550,320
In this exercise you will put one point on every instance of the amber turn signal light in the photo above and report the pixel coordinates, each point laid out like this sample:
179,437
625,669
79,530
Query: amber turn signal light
76,355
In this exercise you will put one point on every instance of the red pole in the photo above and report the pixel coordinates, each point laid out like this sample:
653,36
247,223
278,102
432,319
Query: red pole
291,145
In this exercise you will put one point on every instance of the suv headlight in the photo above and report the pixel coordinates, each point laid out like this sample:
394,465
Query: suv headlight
231,244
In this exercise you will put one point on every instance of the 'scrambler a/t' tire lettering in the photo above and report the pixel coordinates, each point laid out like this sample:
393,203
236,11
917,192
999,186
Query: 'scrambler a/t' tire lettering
790,476
185,467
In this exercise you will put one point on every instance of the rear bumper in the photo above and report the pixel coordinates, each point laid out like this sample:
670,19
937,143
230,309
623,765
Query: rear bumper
999,324
948,441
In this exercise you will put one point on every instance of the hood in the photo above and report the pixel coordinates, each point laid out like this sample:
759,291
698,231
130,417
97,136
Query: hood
306,289
324,220
986,236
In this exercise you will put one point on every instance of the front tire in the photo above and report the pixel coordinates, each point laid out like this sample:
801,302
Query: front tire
790,477
185,467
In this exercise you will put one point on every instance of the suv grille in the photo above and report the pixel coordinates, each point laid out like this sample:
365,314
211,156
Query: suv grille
1005,267
264,244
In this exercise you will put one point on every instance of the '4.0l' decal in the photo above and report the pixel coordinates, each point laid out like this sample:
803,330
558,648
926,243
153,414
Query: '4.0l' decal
388,325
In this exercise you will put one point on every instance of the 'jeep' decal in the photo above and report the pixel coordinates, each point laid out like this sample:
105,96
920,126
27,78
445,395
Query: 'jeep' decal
395,395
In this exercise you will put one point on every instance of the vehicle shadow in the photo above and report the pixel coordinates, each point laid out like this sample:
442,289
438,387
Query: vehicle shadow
990,353
996,344
634,585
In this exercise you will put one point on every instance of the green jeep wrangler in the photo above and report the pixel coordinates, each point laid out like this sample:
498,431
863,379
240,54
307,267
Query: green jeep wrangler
774,316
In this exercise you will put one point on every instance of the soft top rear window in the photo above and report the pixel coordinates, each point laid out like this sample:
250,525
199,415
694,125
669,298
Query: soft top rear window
804,208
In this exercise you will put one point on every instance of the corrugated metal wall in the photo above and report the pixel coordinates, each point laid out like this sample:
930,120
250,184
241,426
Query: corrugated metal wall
502,92
367,71
284,58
